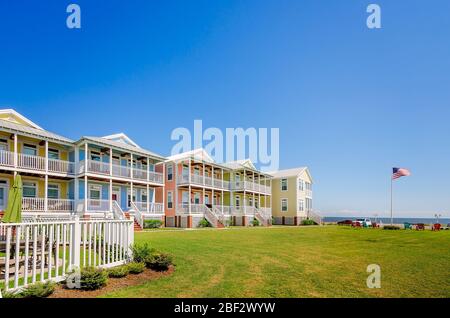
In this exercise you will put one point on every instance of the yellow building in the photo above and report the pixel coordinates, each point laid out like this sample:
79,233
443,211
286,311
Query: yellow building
292,197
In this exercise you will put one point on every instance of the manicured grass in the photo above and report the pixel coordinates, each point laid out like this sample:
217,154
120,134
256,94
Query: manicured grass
299,262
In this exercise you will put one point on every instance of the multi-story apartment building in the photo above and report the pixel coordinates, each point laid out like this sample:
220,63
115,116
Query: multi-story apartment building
95,176
292,197
197,187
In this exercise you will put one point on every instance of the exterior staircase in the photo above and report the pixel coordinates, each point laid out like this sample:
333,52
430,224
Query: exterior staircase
213,218
137,226
259,216
315,217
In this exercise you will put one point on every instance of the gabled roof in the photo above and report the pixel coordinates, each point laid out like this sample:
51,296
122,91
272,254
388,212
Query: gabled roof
199,154
240,164
121,146
293,172
33,132
13,114
121,137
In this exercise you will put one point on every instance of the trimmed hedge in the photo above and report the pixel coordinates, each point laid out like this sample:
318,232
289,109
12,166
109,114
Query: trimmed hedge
93,278
118,272
152,224
136,268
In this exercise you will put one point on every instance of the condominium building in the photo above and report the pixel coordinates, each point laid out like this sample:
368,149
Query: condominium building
225,194
293,197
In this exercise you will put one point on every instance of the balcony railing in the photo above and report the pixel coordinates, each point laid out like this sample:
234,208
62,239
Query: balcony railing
206,181
152,207
53,205
104,168
251,186
94,205
37,163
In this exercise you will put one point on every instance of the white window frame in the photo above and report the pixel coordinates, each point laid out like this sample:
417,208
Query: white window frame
287,205
170,199
170,172
5,142
55,151
130,197
237,201
281,185
30,146
36,191
58,188
144,193
301,185
95,187
301,205
95,154
4,183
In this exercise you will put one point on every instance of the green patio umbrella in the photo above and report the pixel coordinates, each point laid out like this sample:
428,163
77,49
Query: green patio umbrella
13,213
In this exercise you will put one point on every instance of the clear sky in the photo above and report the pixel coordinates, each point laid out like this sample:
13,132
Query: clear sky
350,102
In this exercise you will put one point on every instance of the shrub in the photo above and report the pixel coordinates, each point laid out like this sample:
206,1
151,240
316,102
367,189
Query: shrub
136,268
118,272
204,223
391,227
255,222
38,290
308,222
141,252
92,278
159,261
152,224
8,294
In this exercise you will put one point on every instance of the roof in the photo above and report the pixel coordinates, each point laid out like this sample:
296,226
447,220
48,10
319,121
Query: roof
122,136
33,132
294,172
120,145
12,112
199,154
246,164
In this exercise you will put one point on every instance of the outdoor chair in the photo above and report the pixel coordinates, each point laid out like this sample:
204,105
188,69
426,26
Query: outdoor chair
436,227
420,226
407,226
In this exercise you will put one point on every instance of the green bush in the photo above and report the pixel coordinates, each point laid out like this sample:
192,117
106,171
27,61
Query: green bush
391,227
136,268
255,222
159,261
152,224
38,290
8,294
118,272
308,222
204,223
141,252
92,278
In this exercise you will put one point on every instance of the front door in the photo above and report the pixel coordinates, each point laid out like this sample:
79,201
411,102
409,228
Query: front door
3,194
207,199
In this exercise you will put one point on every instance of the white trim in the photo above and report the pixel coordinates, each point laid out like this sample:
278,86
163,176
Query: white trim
12,112
281,184
281,204
170,193
36,182
59,189
96,187
121,135
6,192
170,165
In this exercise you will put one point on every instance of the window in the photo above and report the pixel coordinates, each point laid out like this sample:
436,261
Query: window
238,201
144,196
3,145
53,191
169,200
129,198
284,205
95,156
301,205
185,172
301,184
29,150
197,171
169,173
95,192
284,184
196,198
53,154
238,178
29,189
185,197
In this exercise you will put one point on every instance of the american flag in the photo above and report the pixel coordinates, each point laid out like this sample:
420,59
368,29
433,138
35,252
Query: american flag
400,172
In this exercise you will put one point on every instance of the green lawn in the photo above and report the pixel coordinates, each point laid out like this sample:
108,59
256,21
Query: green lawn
299,262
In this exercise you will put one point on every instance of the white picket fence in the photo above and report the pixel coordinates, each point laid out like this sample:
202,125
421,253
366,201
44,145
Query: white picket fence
42,251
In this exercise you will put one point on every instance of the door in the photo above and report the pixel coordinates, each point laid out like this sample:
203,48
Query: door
3,194
197,198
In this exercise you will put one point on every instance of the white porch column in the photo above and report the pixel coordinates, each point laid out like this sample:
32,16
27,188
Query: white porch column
86,156
163,187
85,193
131,166
148,197
213,202
175,180
204,195
76,190
222,200
132,176
16,154
148,170
189,196
110,178
46,178
222,178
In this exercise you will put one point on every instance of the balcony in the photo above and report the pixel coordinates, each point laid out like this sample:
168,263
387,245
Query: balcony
151,208
119,171
251,186
53,205
203,181
36,163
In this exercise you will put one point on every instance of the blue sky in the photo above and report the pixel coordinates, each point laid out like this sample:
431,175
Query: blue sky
350,102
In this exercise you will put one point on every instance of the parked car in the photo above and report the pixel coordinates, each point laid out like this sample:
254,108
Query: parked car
364,222
345,222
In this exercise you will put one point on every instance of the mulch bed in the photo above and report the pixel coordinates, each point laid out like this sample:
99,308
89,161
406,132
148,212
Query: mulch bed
112,285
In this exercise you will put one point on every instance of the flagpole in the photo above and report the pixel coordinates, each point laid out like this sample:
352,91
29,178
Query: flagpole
392,215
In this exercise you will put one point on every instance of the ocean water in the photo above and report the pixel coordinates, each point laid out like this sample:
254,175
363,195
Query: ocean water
444,221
